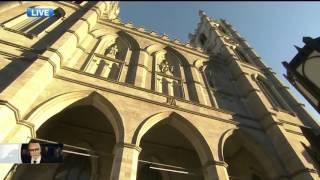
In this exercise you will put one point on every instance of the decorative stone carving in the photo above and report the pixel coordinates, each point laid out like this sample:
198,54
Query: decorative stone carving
129,24
214,25
113,51
165,36
116,20
176,41
188,45
229,40
199,49
141,29
165,67
171,101
198,64
153,33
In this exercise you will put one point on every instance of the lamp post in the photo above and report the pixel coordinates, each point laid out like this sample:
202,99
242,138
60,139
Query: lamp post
303,72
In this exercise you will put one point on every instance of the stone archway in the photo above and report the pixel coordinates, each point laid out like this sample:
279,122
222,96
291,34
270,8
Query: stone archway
176,142
58,103
246,157
87,120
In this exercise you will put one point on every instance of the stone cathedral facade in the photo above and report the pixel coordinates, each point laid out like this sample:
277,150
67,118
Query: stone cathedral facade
136,105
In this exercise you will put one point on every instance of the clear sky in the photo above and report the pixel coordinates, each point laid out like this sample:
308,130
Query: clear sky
271,28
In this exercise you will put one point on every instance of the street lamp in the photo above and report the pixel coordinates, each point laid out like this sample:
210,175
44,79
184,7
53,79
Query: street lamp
303,72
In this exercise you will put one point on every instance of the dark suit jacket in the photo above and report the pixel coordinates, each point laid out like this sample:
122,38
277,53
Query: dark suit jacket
43,160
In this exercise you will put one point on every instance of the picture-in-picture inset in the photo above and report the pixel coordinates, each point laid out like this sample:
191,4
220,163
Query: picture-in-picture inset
38,153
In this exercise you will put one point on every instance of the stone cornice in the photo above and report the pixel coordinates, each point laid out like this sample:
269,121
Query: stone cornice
147,90
164,104
231,121
154,37
17,45
13,55
28,35
18,116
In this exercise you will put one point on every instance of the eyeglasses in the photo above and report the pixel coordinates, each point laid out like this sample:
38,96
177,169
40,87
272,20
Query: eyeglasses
34,150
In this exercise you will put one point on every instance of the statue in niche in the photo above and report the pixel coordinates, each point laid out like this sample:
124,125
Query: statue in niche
113,51
165,67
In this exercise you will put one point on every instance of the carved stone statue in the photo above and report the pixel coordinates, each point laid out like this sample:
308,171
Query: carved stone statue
165,66
113,51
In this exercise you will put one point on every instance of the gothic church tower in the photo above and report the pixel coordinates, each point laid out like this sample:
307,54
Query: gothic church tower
240,82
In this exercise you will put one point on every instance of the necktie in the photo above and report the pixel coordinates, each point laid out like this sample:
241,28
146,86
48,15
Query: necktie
34,162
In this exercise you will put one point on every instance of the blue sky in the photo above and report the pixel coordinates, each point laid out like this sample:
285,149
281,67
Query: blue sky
271,28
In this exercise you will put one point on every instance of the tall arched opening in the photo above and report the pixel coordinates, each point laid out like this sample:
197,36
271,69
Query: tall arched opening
172,149
84,130
247,159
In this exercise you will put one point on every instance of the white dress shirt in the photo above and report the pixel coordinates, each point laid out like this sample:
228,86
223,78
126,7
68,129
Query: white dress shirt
38,160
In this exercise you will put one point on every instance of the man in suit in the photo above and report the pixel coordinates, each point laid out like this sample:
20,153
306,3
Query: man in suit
35,153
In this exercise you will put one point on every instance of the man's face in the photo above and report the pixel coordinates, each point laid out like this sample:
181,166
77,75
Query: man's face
34,149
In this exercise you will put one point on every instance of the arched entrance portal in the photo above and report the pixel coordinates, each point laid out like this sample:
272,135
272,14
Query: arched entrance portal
172,149
245,159
163,144
82,126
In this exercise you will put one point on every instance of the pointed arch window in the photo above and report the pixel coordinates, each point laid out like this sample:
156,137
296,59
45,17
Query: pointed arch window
241,56
167,74
112,51
209,76
108,58
33,26
222,30
271,95
203,39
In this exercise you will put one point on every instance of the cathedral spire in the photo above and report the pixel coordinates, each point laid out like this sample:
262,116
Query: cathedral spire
202,13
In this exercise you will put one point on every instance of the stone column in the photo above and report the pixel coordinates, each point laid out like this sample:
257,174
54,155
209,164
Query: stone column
184,84
125,66
125,162
143,71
